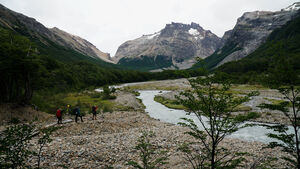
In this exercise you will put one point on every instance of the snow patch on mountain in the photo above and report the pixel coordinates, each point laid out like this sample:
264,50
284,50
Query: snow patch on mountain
194,32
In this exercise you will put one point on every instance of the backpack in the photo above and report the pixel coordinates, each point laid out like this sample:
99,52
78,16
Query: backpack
75,111
58,113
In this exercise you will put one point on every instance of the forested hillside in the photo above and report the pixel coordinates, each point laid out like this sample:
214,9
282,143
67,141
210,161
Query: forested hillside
27,66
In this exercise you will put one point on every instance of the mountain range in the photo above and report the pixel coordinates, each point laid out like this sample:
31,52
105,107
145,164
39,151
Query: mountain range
177,46
251,30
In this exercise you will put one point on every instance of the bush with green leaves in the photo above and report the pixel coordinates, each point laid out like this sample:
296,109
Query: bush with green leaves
212,103
107,92
44,139
151,156
15,147
107,109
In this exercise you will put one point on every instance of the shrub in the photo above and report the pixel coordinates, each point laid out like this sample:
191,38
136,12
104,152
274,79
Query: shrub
150,155
213,104
107,93
14,146
107,109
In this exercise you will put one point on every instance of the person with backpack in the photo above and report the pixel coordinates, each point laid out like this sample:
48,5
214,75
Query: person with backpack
68,110
94,111
77,114
59,116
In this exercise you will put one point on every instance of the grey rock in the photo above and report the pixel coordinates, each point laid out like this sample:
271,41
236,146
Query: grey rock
79,44
253,28
181,42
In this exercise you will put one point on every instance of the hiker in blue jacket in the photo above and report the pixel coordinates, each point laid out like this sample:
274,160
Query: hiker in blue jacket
77,114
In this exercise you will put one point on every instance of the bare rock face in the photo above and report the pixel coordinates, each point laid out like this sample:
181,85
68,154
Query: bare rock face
32,28
81,45
252,29
179,42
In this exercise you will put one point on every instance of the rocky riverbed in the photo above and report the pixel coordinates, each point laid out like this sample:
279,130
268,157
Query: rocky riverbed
109,141
266,96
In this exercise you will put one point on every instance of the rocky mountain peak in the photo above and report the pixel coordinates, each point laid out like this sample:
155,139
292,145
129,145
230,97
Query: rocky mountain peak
294,7
178,42
172,28
181,26
252,29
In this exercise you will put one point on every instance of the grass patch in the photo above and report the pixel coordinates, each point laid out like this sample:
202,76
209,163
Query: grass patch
141,102
48,102
151,86
245,116
136,93
85,100
277,102
242,108
129,90
172,104
268,113
248,87
238,92
254,115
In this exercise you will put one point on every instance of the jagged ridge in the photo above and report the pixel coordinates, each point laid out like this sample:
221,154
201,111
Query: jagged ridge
250,31
181,42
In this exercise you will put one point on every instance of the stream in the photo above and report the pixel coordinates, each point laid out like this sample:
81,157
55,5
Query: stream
161,112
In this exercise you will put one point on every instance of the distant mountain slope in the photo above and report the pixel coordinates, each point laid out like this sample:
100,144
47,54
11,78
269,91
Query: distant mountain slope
64,43
250,31
282,46
81,45
174,47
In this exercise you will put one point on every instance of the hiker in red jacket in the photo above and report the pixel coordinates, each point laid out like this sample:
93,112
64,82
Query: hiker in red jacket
94,111
59,116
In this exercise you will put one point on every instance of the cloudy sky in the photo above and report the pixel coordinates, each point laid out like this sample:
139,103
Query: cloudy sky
109,23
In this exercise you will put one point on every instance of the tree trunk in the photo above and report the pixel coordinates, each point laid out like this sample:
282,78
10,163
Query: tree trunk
295,125
213,156
297,147
28,89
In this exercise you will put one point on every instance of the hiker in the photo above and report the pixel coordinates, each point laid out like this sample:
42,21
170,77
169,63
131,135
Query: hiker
77,114
68,111
59,116
94,111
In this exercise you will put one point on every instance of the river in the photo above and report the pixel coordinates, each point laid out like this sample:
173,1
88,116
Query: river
161,112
